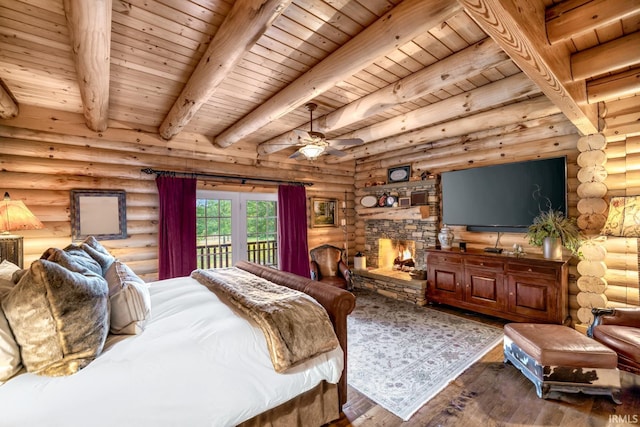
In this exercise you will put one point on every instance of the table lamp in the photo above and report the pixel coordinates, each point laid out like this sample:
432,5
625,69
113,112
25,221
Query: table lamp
14,215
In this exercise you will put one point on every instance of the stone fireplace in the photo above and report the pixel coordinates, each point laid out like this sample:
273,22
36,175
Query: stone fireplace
396,254
396,239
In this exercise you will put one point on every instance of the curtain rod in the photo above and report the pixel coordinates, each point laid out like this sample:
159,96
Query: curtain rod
243,180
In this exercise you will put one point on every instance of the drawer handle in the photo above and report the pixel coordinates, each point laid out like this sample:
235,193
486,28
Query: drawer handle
482,263
529,269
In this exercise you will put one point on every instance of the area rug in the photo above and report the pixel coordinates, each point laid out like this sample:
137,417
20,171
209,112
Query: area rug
401,355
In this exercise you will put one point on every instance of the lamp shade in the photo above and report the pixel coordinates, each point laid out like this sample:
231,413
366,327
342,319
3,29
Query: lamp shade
14,215
624,217
311,151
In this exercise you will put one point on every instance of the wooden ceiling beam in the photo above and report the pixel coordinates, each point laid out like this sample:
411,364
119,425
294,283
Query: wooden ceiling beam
510,89
519,29
243,26
514,113
614,55
89,24
451,70
613,87
8,106
403,23
576,17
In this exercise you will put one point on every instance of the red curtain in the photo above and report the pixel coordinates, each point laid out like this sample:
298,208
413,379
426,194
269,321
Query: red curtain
293,249
177,230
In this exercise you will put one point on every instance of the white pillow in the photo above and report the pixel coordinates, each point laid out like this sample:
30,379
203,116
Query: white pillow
130,300
7,268
10,361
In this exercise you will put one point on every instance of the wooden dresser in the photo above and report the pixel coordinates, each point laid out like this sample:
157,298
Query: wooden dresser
520,288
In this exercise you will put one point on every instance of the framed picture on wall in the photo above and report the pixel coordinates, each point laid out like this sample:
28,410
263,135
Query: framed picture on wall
323,212
98,213
398,174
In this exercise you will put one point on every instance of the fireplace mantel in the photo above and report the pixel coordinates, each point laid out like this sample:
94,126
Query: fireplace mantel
413,212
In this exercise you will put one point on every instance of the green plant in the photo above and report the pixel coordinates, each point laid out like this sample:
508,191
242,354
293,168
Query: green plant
553,223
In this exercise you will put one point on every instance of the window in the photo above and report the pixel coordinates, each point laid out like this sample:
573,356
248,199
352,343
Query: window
236,226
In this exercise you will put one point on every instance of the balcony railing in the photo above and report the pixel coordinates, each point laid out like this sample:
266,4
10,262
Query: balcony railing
217,256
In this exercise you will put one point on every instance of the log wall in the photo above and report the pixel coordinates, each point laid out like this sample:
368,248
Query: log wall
44,154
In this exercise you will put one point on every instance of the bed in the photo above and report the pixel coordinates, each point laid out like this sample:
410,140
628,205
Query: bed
196,359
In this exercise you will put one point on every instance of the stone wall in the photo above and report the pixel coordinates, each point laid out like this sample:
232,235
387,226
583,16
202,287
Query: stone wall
423,231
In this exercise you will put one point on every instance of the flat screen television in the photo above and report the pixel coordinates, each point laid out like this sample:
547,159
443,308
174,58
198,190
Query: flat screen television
504,197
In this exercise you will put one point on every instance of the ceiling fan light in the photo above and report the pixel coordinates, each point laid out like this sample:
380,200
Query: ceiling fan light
311,151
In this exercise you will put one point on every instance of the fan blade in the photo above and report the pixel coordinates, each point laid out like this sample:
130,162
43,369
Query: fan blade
351,141
335,152
296,155
302,133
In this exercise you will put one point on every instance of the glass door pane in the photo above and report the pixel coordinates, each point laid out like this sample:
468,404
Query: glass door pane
248,220
262,232
214,233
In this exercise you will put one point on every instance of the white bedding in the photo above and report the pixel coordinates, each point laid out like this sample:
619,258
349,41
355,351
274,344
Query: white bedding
198,363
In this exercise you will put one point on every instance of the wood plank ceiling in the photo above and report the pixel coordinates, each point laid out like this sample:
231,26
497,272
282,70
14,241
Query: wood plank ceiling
376,68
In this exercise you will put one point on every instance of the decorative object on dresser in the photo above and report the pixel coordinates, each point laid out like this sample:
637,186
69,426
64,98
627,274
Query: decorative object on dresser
445,237
401,355
552,230
519,288
14,215
99,213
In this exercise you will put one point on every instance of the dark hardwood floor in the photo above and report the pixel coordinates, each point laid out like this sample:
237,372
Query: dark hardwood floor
491,393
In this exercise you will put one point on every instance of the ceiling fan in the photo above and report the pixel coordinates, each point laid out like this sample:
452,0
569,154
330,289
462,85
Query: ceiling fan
314,143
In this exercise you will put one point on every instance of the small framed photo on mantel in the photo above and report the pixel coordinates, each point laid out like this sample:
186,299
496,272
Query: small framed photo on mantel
398,174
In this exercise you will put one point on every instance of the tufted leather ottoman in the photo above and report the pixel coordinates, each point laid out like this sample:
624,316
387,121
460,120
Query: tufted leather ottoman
559,358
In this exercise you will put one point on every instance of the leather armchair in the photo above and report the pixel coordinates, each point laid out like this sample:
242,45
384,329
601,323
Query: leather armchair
328,267
619,329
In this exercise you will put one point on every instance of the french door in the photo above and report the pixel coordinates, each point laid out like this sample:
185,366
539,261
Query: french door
236,226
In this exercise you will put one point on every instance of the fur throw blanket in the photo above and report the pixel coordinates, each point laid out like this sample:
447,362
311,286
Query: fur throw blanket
295,325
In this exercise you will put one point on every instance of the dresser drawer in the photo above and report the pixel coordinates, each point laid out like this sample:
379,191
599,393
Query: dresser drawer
539,270
444,259
485,263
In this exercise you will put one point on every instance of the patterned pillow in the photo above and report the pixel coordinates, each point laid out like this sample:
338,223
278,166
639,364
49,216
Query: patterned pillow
59,317
624,217
130,300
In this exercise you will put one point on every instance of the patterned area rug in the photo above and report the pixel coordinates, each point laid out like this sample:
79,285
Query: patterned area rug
401,355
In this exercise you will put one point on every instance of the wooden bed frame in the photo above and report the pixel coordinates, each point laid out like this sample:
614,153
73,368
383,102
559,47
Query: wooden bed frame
338,303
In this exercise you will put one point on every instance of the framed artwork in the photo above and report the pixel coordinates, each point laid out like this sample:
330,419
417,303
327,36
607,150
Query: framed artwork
399,174
98,213
323,212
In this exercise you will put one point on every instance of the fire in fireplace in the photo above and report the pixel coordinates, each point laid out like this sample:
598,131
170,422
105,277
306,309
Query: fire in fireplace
395,254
